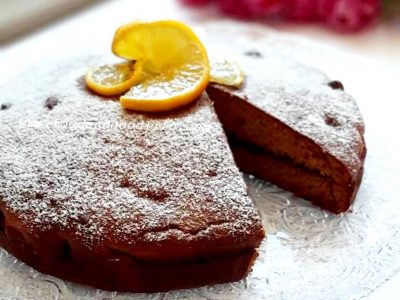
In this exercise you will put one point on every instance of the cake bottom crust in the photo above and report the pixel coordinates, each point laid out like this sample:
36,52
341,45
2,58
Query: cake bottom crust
124,273
320,190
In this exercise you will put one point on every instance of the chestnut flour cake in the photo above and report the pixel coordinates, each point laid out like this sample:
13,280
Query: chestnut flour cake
119,200
125,201
291,125
288,123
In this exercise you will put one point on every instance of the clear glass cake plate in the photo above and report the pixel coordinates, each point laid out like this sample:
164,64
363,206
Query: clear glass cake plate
308,253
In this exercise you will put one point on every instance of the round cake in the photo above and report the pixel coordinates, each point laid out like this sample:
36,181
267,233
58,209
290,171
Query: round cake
119,200
125,201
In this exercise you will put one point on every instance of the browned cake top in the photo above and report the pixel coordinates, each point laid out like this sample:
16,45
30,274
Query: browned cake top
79,163
304,99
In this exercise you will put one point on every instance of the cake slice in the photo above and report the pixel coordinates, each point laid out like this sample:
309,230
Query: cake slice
290,125
117,200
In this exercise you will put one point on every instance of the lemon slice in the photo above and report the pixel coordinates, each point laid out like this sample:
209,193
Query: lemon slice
112,79
225,71
174,64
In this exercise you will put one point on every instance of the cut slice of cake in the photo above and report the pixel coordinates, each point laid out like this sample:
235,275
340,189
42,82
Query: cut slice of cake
290,125
118,200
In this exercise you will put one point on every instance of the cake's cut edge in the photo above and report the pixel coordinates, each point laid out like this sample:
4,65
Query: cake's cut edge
291,111
320,190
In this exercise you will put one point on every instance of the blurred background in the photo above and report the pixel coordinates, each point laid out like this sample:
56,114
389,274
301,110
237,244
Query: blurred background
371,25
45,28
20,17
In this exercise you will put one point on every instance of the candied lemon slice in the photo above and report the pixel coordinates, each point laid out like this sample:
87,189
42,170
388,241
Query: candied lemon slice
174,64
112,79
225,71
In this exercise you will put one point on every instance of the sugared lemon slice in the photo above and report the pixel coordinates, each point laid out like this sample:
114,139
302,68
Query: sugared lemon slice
174,64
112,79
225,71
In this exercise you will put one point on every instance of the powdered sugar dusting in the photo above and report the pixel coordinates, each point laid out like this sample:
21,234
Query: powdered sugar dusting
300,97
297,95
120,177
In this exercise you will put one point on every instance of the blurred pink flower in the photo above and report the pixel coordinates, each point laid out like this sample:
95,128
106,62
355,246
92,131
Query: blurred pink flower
300,10
249,8
195,2
342,15
349,15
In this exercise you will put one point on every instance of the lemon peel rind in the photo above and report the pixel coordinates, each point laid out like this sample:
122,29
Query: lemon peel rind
164,104
151,103
113,90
